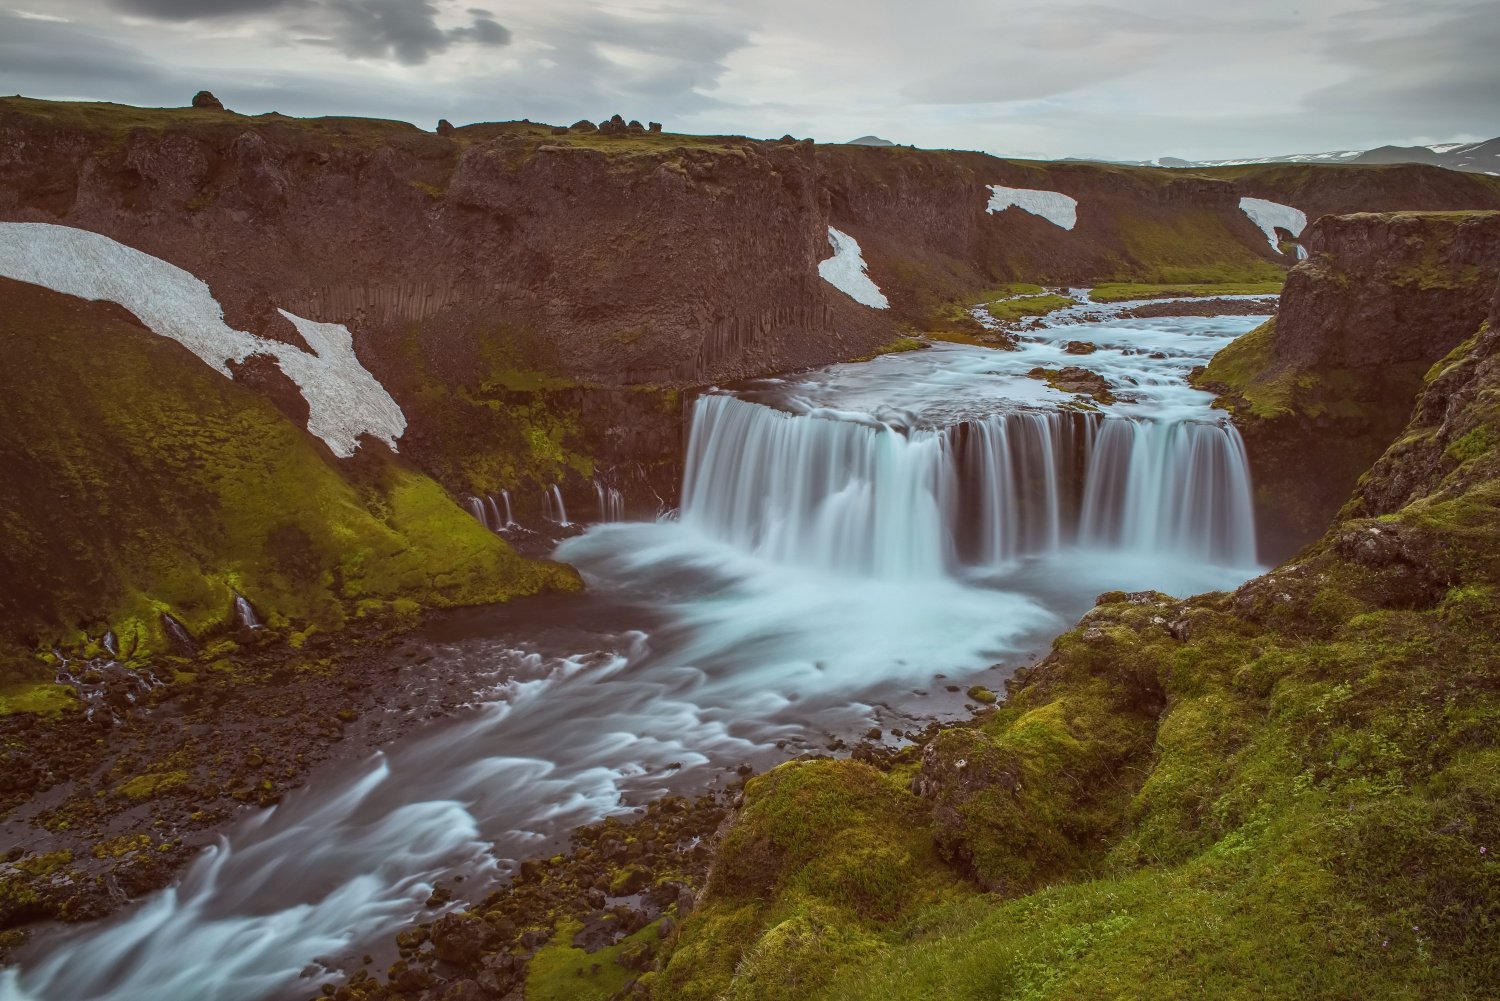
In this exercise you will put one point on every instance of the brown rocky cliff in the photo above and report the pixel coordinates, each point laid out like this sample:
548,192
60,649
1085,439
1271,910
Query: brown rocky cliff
1320,392
469,263
1382,289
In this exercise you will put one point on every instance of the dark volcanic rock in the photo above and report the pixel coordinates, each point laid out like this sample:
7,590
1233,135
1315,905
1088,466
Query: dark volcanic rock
1384,289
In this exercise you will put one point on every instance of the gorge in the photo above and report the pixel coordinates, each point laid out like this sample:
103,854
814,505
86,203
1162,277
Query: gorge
841,515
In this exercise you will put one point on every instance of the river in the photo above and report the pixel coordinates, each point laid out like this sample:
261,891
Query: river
856,546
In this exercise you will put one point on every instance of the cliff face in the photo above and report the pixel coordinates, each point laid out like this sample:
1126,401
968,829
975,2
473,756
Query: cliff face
534,299
1322,390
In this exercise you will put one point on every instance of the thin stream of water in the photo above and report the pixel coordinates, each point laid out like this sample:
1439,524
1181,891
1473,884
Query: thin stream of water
825,567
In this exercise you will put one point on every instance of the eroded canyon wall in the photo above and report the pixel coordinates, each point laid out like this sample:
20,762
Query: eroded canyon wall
1320,391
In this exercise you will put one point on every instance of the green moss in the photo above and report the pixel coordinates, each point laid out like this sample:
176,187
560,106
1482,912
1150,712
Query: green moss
825,857
37,698
981,694
1247,366
1472,445
1121,292
153,784
561,972
894,347
1010,310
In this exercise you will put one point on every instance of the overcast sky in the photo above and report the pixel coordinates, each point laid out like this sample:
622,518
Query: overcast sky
1191,78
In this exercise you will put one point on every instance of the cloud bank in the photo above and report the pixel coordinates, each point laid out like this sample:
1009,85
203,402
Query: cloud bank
1208,79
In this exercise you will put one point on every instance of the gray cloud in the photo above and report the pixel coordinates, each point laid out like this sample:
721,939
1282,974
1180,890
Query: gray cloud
64,59
1442,77
403,30
194,10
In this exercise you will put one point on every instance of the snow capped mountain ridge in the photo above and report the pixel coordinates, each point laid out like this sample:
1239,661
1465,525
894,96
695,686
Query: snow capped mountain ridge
1476,157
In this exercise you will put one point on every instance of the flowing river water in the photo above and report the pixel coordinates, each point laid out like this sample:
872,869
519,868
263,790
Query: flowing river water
856,545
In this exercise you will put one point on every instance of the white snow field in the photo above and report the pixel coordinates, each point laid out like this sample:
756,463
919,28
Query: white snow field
1269,215
344,400
845,271
1053,206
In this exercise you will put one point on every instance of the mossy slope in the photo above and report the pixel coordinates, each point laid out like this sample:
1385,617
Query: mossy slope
1285,792
141,482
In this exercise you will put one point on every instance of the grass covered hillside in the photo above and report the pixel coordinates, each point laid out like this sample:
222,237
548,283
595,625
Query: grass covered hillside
1291,791
140,482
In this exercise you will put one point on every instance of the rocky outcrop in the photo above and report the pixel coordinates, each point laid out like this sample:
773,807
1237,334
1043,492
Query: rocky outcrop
1387,289
1320,391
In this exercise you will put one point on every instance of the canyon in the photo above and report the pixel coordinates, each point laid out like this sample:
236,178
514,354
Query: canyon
318,421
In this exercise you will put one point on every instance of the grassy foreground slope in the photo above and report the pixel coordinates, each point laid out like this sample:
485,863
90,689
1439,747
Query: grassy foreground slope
139,482
1291,791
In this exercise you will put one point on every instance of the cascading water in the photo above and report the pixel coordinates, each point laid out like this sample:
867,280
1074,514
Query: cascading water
244,614
611,502
863,497
844,536
553,507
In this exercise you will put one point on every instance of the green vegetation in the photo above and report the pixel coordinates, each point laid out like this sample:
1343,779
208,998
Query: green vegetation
1289,791
894,347
141,482
562,972
827,862
1011,310
40,697
1121,292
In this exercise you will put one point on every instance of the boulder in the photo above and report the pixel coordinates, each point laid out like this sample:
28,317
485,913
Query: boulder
462,939
444,127
203,99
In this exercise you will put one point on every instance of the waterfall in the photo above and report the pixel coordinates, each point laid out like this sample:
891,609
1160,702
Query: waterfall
487,512
853,497
480,512
1179,487
856,496
611,502
244,615
552,504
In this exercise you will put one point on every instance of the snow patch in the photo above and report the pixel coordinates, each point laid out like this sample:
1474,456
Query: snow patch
1054,206
344,400
1269,215
845,271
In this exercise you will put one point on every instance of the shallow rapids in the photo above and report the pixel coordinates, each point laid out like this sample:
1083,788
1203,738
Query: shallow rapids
853,541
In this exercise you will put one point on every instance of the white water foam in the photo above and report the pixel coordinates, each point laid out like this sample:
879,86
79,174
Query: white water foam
845,271
1053,206
344,400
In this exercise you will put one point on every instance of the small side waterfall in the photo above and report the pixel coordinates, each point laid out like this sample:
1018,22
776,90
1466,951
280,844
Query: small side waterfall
552,506
611,502
859,497
488,513
244,614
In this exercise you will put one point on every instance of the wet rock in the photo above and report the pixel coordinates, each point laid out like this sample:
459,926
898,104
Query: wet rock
462,939
203,99
636,956
1081,347
465,990
534,937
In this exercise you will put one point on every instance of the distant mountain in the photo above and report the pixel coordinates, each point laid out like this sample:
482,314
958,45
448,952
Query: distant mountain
1478,158
869,141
